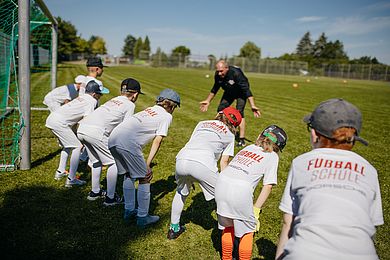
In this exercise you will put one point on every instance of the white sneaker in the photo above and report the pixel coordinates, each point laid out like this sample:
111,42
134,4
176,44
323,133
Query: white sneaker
59,175
75,182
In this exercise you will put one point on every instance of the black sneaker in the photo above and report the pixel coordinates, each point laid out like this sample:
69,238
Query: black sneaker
94,196
173,235
114,201
241,143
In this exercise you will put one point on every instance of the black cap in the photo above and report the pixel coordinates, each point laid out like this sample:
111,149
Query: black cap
95,62
129,85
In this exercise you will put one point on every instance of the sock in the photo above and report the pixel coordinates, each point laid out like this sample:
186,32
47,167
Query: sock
245,248
112,176
74,162
64,159
143,199
128,193
175,227
177,207
227,242
95,179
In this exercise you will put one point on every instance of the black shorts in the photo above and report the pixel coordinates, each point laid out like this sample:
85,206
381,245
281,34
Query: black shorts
226,102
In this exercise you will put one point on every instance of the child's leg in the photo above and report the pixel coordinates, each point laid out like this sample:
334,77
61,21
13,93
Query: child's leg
95,178
227,242
143,198
74,162
112,176
245,248
64,159
128,192
177,208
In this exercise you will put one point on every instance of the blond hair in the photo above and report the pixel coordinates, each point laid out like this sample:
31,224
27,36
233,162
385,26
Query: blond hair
343,138
221,117
168,105
266,143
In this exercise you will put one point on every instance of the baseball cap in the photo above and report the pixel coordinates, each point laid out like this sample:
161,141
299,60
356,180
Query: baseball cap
233,115
79,79
334,113
130,84
95,86
169,94
279,136
95,62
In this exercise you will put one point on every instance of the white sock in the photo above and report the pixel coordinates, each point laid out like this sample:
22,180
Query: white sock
177,207
74,162
143,198
95,179
64,159
129,193
112,176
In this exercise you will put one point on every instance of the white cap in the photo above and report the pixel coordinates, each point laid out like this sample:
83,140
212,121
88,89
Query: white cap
79,79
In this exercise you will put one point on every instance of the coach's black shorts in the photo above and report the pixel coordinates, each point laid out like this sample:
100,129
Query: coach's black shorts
240,106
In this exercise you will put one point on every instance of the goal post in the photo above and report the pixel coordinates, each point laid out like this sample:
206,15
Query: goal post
28,44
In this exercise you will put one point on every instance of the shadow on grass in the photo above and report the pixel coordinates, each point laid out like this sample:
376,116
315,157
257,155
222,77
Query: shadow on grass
266,248
46,158
45,223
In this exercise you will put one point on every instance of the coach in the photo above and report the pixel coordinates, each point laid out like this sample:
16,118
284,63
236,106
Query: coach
236,87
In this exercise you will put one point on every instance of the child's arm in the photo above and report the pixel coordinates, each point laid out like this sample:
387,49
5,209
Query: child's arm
265,192
224,161
153,150
285,234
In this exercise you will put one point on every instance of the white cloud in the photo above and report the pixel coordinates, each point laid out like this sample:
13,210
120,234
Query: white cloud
359,25
309,19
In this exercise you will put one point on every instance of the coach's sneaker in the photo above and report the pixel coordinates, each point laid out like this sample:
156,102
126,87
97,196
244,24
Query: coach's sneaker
94,196
59,175
114,201
75,182
172,234
147,220
130,214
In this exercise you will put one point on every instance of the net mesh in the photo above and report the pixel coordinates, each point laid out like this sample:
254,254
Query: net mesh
11,123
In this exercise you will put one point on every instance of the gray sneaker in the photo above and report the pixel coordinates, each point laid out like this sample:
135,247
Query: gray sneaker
147,220
94,196
59,175
75,182
130,214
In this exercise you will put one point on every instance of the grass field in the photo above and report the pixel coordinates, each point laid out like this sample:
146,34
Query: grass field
41,219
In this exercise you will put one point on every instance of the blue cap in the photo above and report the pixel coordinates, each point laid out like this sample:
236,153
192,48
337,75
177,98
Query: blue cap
169,94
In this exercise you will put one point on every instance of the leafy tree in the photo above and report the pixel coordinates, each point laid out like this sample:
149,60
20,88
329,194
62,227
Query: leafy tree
305,46
365,60
159,58
250,50
97,45
128,48
334,51
137,47
146,44
181,52
67,39
319,46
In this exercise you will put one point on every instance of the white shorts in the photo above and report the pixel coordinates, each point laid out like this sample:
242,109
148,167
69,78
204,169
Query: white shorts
241,227
132,163
98,151
188,172
66,137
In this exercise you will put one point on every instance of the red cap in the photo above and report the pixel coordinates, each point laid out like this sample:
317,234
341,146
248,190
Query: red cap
233,115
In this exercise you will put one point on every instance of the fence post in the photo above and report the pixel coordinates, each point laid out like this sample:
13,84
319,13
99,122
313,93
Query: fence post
387,67
24,81
54,47
369,72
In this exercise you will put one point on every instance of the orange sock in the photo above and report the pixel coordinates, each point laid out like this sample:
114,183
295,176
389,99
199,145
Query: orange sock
245,248
227,242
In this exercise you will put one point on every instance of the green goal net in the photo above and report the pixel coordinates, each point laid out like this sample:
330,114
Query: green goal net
11,124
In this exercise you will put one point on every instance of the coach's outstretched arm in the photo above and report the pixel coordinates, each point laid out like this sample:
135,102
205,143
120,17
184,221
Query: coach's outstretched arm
204,105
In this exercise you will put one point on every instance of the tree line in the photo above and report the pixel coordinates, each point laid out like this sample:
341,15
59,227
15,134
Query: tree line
316,53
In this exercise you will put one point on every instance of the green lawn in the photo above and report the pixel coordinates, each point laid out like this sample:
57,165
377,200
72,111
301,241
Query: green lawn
40,218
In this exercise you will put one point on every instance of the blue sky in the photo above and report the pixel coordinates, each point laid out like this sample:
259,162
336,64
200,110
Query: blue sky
222,27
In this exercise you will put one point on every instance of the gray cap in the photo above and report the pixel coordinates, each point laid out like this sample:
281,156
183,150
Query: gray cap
169,94
334,113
